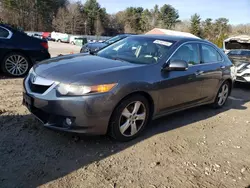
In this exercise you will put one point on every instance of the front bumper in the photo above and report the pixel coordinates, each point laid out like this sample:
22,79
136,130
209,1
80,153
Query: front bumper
243,76
89,114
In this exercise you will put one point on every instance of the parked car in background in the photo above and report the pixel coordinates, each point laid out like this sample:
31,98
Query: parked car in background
121,88
60,37
236,43
93,47
37,36
241,59
72,39
18,51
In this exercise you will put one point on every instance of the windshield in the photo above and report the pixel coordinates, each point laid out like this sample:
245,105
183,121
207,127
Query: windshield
113,39
139,50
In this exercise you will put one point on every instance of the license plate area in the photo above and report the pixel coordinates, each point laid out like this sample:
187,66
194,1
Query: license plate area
28,100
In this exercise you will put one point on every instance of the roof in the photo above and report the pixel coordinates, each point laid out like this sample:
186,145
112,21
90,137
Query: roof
168,37
158,31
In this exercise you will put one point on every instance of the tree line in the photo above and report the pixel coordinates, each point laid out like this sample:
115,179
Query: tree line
91,19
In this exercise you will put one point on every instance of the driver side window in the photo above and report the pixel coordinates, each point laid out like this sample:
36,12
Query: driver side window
188,53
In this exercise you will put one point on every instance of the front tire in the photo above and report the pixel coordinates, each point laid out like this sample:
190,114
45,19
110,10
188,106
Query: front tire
222,95
15,64
129,118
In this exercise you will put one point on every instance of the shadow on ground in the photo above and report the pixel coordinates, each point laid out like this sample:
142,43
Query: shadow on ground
32,155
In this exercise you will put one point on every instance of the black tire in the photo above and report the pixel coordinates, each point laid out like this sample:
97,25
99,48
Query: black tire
114,127
10,56
59,40
72,43
216,103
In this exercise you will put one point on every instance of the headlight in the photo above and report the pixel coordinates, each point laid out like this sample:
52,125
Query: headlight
77,90
31,70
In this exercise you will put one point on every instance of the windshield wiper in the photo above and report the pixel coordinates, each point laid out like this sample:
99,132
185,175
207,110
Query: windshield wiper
119,59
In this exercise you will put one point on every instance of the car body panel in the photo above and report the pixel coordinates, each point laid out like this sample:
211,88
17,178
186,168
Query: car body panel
20,42
170,91
241,59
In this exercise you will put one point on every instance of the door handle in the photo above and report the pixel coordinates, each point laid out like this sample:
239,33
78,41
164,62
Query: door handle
197,73
222,67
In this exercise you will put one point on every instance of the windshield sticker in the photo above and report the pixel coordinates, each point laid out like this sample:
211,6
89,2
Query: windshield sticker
162,42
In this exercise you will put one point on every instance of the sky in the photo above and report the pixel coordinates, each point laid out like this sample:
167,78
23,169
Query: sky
237,11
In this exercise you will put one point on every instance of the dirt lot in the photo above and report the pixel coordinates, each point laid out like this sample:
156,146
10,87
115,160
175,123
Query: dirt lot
56,48
201,147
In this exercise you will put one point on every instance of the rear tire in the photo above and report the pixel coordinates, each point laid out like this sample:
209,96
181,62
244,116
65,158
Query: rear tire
129,118
222,95
15,64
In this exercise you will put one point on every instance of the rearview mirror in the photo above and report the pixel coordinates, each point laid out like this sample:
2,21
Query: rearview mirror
176,65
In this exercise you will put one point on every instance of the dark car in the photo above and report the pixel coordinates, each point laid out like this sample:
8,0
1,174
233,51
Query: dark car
93,47
241,59
127,84
18,51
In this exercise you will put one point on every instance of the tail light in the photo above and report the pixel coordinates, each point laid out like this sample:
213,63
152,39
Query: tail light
45,45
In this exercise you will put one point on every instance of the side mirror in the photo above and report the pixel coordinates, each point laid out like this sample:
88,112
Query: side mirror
176,65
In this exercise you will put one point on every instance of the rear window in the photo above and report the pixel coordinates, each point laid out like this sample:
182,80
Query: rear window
3,33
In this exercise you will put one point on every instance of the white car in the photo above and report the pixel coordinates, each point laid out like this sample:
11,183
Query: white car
241,59
60,37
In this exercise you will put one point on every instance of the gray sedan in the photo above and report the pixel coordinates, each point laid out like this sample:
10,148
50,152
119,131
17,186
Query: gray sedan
119,90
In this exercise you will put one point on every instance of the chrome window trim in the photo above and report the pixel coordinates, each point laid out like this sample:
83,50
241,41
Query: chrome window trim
10,33
197,42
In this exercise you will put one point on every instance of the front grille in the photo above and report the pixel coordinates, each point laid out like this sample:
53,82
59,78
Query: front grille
37,88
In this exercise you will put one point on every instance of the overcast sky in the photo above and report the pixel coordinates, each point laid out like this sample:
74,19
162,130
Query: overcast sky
237,11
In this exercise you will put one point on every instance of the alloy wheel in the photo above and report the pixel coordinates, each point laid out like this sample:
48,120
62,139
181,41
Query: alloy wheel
132,118
16,65
223,94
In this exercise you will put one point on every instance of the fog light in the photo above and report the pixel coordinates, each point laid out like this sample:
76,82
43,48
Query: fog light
68,121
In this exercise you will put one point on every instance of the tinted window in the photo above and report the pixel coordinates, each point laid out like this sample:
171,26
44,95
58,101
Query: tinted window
188,53
210,54
3,33
137,50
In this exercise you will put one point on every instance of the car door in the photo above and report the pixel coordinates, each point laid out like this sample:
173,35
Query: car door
211,68
182,88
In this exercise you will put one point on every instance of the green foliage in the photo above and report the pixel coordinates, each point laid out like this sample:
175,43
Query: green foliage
168,16
195,27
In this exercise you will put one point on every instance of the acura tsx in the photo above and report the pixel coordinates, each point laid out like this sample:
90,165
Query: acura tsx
125,85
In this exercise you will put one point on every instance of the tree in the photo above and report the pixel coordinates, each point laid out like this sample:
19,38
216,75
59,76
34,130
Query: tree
146,21
183,26
195,26
168,16
60,21
207,26
93,11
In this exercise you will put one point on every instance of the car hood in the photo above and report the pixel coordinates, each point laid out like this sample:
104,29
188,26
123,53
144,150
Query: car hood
96,45
75,68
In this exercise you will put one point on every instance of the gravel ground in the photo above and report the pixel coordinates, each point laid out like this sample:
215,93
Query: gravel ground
200,147
56,48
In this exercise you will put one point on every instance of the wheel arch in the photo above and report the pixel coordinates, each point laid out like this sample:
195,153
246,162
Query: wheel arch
144,94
